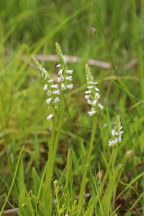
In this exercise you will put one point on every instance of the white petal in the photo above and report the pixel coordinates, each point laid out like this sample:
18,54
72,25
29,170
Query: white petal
70,86
58,65
97,89
120,127
113,132
60,72
100,106
110,143
56,92
87,97
88,92
90,83
60,79
90,87
45,77
69,71
57,99
69,78
48,100
63,88
94,102
91,112
49,117
97,96
50,81
49,93
45,87
89,101
54,86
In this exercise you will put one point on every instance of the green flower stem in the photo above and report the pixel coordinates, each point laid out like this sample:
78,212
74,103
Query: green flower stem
50,145
50,165
84,178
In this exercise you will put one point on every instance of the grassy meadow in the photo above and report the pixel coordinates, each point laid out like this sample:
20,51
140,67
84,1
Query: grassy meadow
64,166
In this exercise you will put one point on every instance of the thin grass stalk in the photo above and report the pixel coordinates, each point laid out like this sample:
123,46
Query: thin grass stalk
13,181
139,47
84,178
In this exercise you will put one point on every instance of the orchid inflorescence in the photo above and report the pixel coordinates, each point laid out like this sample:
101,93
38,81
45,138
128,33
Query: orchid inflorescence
63,82
92,94
64,75
116,133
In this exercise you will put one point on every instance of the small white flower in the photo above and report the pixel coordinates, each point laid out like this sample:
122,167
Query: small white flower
90,87
57,92
105,125
60,79
70,86
94,103
45,87
49,93
120,127
97,89
63,88
92,112
92,96
90,83
97,96
49,117
113,143
60,72
100,106
87,97
110,143
69,71
48,100
114,132
88,92
89,101
50,81
54,86
56,100
58,65
45,77
69,78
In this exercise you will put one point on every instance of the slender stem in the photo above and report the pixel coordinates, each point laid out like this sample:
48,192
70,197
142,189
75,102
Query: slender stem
88,160
52,137
51,160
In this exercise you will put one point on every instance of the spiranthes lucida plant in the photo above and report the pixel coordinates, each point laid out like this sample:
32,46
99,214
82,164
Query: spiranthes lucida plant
92,93
114,170
56,93
51,88
64,74
116,133
92,96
